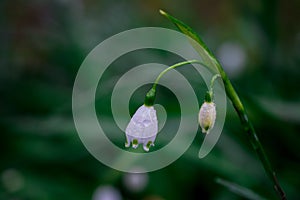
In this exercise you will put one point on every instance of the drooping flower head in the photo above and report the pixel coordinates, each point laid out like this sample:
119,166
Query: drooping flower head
207,113
142,128
207,116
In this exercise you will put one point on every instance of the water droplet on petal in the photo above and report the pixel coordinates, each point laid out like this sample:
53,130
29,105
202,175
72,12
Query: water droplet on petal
146,122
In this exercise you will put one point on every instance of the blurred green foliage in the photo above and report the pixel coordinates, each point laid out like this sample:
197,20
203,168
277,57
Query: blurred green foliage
42,46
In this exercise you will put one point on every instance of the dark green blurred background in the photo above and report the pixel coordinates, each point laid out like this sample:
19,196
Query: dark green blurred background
43,44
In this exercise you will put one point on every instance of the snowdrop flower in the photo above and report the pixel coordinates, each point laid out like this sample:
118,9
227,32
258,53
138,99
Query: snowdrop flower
142,128
207,116
207,113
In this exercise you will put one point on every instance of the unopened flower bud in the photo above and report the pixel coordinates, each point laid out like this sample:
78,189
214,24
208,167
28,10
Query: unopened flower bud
207,116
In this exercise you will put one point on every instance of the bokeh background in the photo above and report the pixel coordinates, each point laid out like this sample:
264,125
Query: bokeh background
43,44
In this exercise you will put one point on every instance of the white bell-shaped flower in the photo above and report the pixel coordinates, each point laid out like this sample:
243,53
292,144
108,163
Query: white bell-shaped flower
142,128
207,116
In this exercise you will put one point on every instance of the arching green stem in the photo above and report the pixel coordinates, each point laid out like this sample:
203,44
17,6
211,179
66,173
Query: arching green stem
212,81
150,96
209,94
173,67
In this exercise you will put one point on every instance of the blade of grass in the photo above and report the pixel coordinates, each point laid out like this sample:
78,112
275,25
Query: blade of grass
239,190
210,60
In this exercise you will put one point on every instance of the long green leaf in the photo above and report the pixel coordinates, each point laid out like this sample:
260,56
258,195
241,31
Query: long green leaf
207,56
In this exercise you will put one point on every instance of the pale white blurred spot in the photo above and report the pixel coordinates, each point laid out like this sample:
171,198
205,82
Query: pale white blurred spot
12,180
135,182
232,57
106,192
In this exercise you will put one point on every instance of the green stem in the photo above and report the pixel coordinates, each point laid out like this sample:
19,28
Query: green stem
212,81
250,131
150,96
209,94
173,67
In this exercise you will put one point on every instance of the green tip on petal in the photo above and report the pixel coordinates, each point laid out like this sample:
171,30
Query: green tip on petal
149,144
135,142
206,128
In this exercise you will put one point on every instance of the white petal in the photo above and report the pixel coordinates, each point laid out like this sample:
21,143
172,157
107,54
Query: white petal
143,127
